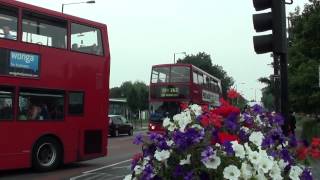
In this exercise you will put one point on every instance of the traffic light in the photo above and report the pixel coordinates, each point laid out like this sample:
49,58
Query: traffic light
275,21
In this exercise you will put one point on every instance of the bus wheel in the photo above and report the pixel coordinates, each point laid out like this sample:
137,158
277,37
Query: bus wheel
46,154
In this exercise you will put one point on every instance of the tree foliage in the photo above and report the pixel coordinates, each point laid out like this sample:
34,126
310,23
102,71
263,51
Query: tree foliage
304,58
136,94
204,62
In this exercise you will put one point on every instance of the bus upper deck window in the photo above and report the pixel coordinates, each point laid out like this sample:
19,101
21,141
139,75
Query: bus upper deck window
86,39
8,23
43,30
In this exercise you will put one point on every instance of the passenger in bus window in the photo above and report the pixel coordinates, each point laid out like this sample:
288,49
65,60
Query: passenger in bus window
5,111
75,46
6,32
44,113
34,112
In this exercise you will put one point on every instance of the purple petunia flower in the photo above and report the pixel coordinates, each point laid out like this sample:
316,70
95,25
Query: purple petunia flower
285,155
178,171
188,176
228,148
306,175
138,139
278,119
244,137
267,142
293,141
185,139
147,173
257,109
206,154
231,122
247,119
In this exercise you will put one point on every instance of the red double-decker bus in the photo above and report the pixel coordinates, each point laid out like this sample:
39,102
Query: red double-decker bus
174,84
54,83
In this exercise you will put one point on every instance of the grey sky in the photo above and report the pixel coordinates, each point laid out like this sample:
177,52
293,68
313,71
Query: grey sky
147,32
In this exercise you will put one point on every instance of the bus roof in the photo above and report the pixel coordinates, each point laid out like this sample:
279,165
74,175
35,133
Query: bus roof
188,65
49,12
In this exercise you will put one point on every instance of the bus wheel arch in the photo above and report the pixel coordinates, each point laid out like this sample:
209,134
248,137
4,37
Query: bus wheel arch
47,153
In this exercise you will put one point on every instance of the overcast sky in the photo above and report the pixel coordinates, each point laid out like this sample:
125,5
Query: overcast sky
143,33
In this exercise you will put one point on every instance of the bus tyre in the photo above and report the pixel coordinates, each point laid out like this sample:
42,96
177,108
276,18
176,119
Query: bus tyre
46,154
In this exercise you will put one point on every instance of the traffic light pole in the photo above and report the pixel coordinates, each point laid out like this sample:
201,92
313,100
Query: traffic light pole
276,79
284,91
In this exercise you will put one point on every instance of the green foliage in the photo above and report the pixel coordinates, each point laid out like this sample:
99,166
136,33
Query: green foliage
204,62
304,59
267,93
115,92
136,93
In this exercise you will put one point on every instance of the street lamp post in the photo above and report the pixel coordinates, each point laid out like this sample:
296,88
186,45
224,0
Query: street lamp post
174,56
88,2
255,94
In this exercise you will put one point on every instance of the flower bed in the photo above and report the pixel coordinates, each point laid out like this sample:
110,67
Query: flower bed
219,144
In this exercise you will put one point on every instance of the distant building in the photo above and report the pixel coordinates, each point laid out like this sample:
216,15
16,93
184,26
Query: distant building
118,106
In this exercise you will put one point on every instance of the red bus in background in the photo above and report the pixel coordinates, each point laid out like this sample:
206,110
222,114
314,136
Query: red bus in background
173,84
54,83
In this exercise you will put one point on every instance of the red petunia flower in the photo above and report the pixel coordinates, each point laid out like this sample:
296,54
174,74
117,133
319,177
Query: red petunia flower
137,156
183,106
226,137
225,111
302,153
211,120
205,108
315,153
232,94
315,142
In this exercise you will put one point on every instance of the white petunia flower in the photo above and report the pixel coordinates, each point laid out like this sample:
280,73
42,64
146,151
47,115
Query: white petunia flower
295,172
256,138
275,172
183,119
168,124
261,176
213,162
254,157
246,171
238,149
129,177
245,129
197,126
196,109
145,161
185,161
138,169
170,143
247,148
162,155
231,172
265,164
282,164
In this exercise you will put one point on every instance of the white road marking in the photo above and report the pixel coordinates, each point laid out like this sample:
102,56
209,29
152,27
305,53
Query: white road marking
86,173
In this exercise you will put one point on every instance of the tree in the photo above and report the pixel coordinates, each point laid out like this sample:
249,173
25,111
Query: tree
267,93
304,58
136,94
204,62
115,92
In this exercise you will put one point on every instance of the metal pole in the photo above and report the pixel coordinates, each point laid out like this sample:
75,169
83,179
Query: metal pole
284,91
174,58
62,8
276,82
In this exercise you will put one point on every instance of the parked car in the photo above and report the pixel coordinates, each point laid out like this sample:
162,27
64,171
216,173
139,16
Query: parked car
119,125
